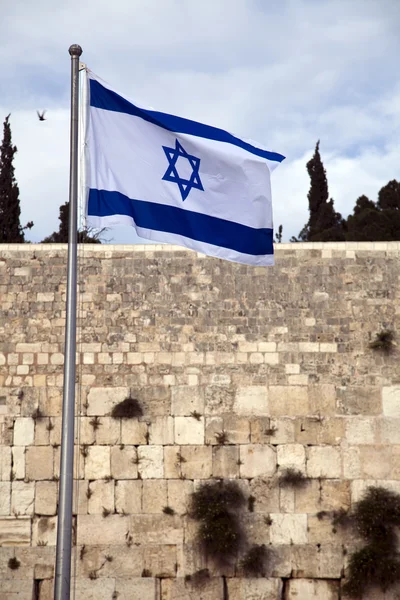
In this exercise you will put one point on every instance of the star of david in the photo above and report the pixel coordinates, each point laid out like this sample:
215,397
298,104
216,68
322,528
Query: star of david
171,174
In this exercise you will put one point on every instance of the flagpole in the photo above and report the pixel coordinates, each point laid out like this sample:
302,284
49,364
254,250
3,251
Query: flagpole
62,581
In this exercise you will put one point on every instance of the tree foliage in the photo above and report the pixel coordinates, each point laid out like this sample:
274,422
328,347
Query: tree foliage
11,231
85,236
376,221
324,224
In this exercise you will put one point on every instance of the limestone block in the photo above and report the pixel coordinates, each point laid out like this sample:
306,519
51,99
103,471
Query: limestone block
351,459
16,589
189,430
161,561
5,463
322,399
259,430
151,462
133,431
359,400
376,462
219,400
225,462
291,456
288,400
94,530
87,434
257,460
186,399
109,431
154,496
197,462
308,589
101,497
335,494
237,429
252,400
127,560
282,431
288,529
323,461
179,589
266,494
360,430
97,462
154,399
391,401
24,431
287,499
46,587
254,589
44,531
178,495
124,462
51,401
319,430
395,471
39,462
99,589
5,498
18,457
22,498
162,431
156,529
321,531
128,496
101,400
15,532
322,562
308,498
172,466
42,433
388,431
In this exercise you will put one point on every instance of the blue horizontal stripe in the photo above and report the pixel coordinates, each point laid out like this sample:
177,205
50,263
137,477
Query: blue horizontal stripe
101,97
193,225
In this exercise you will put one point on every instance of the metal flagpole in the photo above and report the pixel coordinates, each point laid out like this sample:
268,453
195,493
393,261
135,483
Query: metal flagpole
62,581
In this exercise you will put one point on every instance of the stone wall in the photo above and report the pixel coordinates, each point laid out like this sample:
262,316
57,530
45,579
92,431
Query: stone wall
278,358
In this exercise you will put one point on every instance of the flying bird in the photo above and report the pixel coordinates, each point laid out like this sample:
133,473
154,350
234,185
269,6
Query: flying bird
41,115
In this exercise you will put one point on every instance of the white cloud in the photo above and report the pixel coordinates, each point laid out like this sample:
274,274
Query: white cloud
285,74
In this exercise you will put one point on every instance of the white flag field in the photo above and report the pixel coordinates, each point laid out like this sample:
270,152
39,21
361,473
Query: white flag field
177,181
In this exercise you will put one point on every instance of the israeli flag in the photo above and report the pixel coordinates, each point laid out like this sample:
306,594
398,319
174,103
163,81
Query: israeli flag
177,181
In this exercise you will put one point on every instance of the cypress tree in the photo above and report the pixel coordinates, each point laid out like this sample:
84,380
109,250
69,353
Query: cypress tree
11,231
324,223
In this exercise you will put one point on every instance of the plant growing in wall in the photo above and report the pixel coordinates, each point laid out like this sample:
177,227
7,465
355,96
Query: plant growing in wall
255,560
375,518
14,563
216,506
384,341
293,478
127,409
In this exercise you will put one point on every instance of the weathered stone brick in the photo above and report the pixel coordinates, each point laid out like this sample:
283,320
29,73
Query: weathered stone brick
189,430
15,531
308,589
124,464
39,462
323,461
288,529
257,460
22,498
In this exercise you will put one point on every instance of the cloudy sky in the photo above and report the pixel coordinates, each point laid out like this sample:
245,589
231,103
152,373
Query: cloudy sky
283,73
